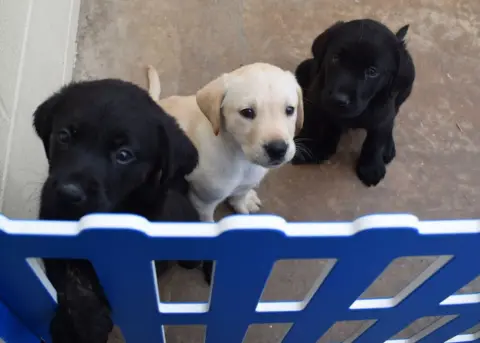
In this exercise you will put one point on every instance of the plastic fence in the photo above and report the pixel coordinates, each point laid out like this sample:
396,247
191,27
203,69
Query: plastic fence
245,248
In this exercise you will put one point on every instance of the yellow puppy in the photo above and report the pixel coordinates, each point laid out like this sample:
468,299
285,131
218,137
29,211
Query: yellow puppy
242,123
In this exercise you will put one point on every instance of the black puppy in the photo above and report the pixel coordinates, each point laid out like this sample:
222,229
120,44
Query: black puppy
359,76
110,148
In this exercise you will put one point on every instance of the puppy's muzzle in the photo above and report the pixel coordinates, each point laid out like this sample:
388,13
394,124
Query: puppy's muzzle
276,150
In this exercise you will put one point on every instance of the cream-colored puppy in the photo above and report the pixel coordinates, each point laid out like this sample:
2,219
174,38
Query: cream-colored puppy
242,124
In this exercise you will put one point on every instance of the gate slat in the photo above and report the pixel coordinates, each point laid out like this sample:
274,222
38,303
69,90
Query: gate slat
12,330
240,277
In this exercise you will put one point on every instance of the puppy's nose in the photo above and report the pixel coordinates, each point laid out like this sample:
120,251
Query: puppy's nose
341,99
72,193
276,150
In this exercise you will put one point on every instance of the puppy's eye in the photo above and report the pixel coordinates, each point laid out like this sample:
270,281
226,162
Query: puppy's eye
124,156
64,136
248,113
371,72
289,110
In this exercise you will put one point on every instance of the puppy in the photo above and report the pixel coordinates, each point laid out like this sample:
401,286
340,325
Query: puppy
242,125
110,148
359,76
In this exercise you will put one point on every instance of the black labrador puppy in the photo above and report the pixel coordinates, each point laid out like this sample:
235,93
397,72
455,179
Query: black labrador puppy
359,76
110,148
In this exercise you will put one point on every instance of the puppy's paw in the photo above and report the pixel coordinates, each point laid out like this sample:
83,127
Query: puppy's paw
247,203
371,174
303,159
207,271
307,154
208,278
389,152
189,264
307,157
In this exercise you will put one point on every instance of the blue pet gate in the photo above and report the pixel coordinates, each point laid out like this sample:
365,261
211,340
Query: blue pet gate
122,248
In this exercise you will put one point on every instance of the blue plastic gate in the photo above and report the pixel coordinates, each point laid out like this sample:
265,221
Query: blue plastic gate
122,248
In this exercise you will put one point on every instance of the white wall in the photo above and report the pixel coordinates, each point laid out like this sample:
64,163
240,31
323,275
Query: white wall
37,50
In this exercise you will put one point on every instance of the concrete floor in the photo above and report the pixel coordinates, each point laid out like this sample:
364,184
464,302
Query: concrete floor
436,172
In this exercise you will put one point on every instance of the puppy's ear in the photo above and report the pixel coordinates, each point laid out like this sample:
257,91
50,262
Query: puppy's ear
180,157
402,32
209,100
300,113
43,120
319,46
405,73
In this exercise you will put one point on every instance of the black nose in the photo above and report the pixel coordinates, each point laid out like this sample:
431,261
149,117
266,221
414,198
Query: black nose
341,99
276,150
72,193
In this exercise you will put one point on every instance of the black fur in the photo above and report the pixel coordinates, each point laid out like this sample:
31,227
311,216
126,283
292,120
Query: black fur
359,76
122,153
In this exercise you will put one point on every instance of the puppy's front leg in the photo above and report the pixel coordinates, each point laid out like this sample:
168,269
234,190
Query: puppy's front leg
206,210
377,150
329,140
389,151
83,312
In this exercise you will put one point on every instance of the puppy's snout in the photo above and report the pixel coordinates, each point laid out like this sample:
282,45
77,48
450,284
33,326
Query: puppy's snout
341,99
71,193
276,150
